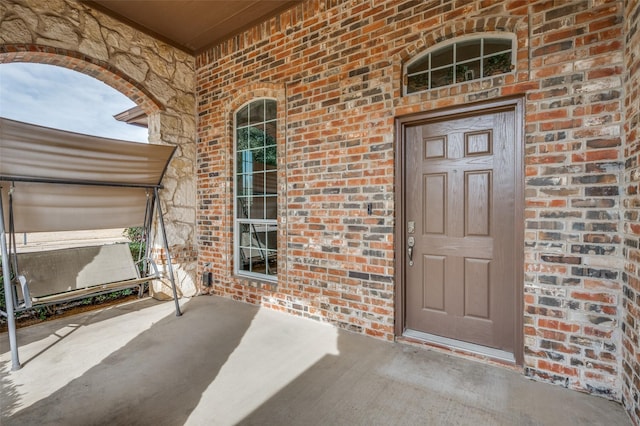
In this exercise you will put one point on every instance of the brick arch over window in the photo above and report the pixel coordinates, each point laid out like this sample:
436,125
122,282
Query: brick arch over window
85,64
471,26
517,25
254,91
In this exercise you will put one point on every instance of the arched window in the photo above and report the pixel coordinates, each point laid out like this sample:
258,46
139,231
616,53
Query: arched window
256,190
459,61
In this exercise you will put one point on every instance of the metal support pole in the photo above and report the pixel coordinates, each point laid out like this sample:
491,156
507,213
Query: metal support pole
8,293
166,249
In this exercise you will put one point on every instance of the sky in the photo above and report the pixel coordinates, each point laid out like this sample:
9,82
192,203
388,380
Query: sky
60,98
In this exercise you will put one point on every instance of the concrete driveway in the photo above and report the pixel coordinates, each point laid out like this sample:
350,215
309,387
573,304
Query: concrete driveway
225,363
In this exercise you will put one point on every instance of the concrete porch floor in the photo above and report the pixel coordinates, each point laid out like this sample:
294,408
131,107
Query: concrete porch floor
225,362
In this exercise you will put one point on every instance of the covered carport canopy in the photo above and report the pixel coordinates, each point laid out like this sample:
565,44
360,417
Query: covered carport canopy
52,180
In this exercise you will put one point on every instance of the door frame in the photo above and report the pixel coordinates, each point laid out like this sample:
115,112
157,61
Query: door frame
401,123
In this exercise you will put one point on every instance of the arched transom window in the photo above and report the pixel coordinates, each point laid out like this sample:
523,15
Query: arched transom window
459,61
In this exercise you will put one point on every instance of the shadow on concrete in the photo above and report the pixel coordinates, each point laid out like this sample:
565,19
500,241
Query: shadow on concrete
227,363
157,378
34,333
376,383
9,395
70,323
53,332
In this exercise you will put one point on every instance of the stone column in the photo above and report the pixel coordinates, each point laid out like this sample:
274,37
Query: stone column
178,200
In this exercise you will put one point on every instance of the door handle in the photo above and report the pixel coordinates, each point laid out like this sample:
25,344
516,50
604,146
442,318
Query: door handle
410,242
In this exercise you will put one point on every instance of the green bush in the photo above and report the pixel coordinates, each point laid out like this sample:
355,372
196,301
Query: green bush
135,235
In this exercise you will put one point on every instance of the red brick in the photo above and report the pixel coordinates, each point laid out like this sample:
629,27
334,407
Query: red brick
575,107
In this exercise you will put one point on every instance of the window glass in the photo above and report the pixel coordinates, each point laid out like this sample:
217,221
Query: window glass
242,117
422,64
256,190
418,83
496,45
497,64
442,57
270,110
467,50
256,112
460,61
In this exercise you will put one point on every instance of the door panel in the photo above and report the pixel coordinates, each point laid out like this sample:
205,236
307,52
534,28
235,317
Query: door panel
476,288
477,208
434,283
460,183
435,211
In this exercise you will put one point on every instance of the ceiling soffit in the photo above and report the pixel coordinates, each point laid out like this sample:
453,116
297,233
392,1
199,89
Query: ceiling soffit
192,25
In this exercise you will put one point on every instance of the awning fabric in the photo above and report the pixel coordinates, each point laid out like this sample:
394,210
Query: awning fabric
64,181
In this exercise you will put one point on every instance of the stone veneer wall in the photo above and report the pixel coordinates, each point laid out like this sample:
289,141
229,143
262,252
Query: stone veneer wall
335,68
156,76
631,191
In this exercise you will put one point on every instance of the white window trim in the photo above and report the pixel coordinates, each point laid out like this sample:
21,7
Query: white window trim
236,222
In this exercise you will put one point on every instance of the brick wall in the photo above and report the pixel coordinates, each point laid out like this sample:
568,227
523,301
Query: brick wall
336,69
573,165
631,200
